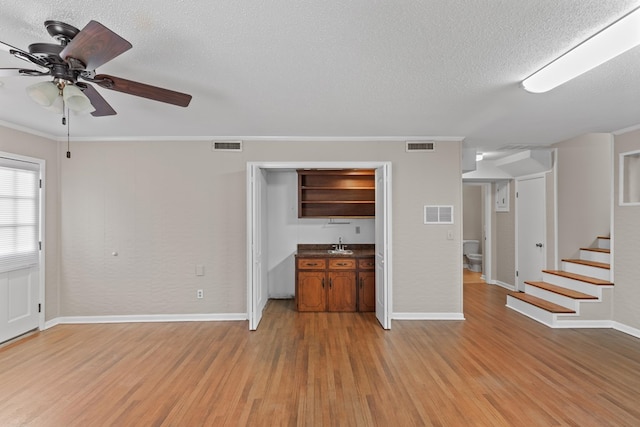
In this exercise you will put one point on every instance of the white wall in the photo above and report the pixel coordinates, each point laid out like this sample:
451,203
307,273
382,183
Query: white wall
166,206
286,231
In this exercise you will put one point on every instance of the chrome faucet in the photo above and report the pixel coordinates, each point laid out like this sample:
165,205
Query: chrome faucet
340,246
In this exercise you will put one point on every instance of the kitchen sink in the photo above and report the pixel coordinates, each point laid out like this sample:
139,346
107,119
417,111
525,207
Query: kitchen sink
340,251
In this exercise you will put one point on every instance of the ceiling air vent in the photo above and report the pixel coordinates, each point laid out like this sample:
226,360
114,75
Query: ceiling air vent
227,146
438,214
420,146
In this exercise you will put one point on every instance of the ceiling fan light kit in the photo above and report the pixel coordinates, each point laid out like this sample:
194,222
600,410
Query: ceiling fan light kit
76,100
51,94
614,40
76,56
44,93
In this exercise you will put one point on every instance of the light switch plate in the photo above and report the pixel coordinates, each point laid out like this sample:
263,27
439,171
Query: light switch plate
199,270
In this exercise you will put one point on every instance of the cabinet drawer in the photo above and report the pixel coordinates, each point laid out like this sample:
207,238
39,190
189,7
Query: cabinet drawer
366,264
312,263
342,264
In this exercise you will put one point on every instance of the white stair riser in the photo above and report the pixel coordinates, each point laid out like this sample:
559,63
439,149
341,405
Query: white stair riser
576,285
604,243
586,270
595,256
532,311
552,297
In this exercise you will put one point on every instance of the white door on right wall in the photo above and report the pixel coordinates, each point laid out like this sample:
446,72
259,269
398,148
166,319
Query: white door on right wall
530,230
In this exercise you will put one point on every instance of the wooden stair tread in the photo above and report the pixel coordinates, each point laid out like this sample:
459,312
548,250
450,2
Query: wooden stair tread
604,251
589,263
569,293
541,303
580,277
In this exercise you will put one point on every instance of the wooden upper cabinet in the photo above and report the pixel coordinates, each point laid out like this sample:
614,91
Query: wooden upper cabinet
339,193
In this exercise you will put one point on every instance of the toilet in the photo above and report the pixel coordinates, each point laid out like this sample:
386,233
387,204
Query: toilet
472,255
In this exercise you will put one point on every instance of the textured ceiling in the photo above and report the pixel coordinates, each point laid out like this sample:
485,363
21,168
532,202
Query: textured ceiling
362,68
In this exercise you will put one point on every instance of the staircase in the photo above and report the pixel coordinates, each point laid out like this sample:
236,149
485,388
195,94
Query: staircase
578,296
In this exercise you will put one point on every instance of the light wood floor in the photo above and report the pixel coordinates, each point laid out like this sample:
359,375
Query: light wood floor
496,368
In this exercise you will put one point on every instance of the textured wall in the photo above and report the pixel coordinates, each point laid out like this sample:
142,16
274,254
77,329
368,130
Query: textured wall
550,203
472,217
167,206
505,240
584,191
626,236
15,142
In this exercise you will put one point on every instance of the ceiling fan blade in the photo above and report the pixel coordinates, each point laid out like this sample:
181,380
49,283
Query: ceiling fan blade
142,90
8,48
97,101
19,53
95,45
13,72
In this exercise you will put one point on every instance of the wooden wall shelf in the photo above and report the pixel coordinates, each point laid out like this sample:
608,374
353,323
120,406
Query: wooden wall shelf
336,193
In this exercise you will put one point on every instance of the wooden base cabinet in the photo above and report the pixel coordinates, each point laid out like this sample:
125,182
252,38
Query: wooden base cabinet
311,295
366,284
335,284
341,295
366,291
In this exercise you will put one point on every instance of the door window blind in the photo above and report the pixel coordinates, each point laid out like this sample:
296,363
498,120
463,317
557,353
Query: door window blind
19,214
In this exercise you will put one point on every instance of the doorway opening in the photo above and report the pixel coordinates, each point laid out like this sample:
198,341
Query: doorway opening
259,237
477,225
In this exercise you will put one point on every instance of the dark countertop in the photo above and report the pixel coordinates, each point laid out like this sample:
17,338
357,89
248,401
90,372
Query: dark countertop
321,251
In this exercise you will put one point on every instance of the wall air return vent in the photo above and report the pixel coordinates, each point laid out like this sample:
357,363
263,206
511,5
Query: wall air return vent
420,146
227,146
438,214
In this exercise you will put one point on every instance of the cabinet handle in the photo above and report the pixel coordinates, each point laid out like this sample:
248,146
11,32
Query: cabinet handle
341,263
312,264
361,281
330,283
323,283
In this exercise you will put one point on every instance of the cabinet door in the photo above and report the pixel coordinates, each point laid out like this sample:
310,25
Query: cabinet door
342,291
311,294
367,291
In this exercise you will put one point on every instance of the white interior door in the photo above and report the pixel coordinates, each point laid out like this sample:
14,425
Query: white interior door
19,247
19,302
256,264
382,240
531,230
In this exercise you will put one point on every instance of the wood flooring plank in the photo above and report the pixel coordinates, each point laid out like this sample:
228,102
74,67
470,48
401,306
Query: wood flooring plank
496,368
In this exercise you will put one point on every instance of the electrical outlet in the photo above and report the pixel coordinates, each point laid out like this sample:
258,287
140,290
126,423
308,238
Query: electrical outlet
199,294
357,229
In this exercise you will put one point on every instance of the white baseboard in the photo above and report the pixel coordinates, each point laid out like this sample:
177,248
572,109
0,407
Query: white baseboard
504,285
146,318
427,316
626,329
582,324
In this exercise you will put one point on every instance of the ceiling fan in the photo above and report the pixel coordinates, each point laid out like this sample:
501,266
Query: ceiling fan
76,56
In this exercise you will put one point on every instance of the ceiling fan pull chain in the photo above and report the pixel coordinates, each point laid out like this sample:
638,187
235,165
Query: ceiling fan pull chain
68,126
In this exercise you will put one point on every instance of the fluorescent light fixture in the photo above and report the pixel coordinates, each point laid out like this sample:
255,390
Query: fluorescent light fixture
614,40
